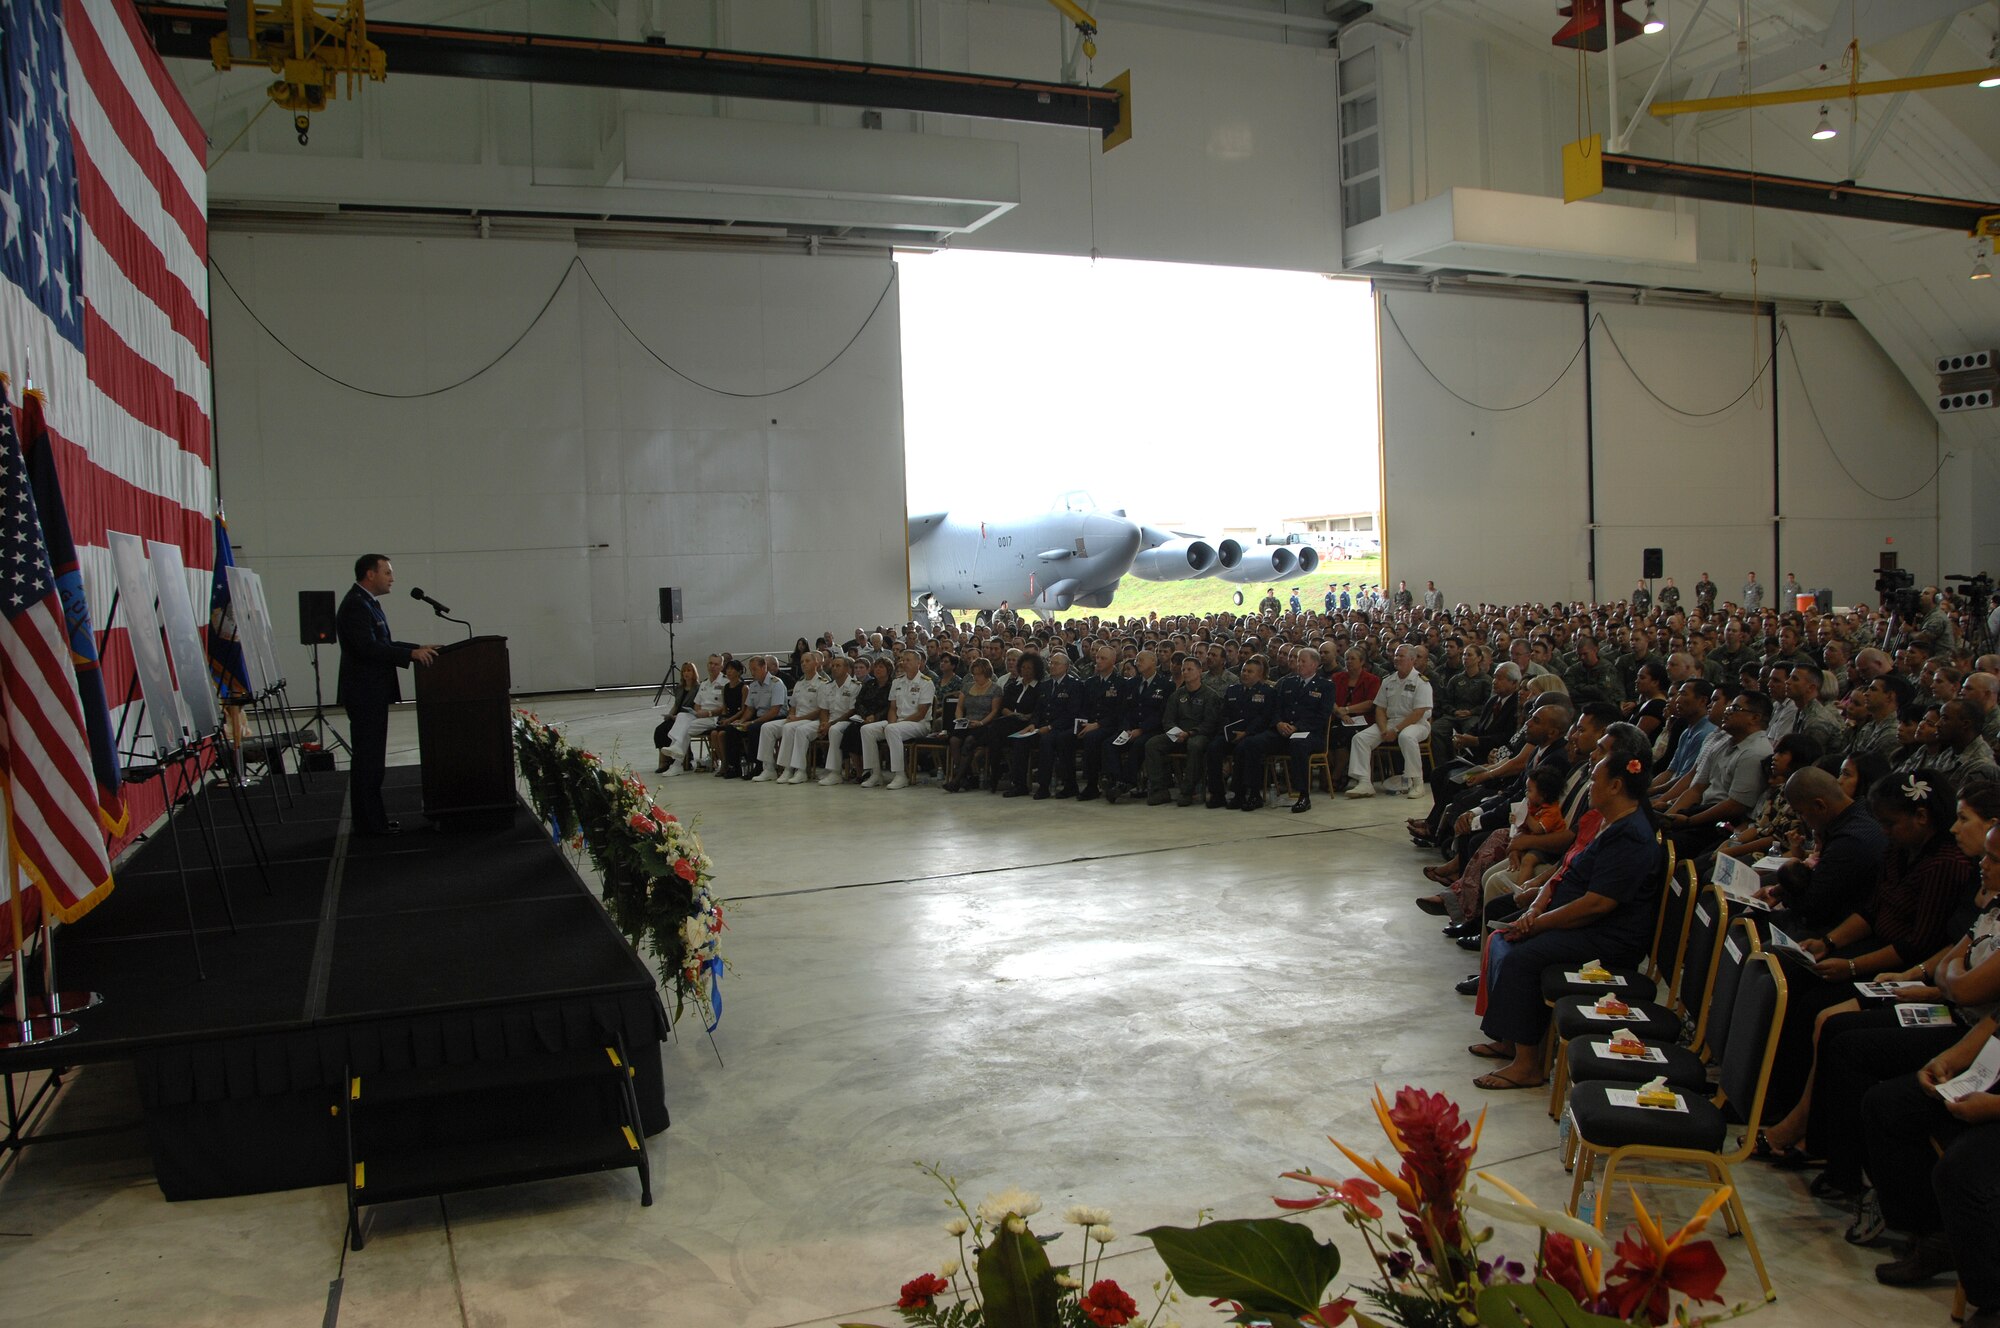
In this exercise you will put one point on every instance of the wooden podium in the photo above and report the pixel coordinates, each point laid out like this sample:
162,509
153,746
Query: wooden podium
464,735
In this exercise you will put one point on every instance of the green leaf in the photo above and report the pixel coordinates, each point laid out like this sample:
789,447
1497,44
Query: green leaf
1016,1284
1536,1305
1263,1263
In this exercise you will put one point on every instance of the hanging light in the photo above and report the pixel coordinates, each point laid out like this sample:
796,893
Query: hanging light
1992,62
1980,271
1654,23
1826,129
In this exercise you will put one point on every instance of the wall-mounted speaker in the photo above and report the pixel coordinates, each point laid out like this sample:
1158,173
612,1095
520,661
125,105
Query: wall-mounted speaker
1655,564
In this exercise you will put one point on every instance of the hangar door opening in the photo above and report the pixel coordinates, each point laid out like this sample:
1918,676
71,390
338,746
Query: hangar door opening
1226,410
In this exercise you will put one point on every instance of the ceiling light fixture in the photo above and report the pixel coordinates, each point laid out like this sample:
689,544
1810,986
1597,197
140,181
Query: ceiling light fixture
1654,23
1992,62
1826,129
1980,270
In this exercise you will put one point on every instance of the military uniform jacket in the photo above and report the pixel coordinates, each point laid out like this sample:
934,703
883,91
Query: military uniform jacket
1670,598
1704,594
1465,691
1144,698
1305,703
1104,699
1594,682
1062,704
1248,709
1197,711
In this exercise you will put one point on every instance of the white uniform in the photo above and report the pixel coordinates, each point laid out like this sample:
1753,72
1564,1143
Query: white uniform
906,697
1398,698
838,702
795,735
688,726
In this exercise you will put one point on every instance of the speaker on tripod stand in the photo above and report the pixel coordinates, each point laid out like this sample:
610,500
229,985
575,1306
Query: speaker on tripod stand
316,629
671,611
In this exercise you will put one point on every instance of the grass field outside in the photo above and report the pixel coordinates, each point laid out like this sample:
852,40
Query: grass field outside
1136,598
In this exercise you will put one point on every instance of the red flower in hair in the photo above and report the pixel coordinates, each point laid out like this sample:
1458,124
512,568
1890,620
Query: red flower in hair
1633,766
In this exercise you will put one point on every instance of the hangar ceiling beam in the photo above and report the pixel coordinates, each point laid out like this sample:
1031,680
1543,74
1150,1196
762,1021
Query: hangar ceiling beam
1715,184
184,31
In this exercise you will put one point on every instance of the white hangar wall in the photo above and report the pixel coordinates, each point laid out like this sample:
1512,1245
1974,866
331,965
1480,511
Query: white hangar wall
548,499
1503,431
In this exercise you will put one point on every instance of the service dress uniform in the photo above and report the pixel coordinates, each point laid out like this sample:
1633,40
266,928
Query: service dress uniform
1197,714
1103,704
1144,699
1248,710
1062,709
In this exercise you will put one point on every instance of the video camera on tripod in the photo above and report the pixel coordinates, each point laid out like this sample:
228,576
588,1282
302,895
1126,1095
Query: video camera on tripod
1978,592
1898,589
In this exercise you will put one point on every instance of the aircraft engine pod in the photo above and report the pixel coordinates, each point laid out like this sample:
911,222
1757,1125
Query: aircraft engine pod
1176,560
1264,563
1308,560
1228,553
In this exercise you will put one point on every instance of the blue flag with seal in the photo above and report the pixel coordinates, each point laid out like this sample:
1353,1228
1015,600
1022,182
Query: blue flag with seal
47,488
225,650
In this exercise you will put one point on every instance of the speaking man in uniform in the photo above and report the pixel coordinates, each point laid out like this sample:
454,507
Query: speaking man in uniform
367,685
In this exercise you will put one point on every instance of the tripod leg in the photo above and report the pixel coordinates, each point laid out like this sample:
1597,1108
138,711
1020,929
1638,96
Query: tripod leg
180,870
195,789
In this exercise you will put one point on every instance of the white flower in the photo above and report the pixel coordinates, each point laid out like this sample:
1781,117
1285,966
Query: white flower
950,1269
1012,1202
1081,1216
1066,1282
955,1227
1018,1225
1916,790
1102,1234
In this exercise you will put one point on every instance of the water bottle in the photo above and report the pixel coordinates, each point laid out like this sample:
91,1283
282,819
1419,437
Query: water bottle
1586,1203
1565,1131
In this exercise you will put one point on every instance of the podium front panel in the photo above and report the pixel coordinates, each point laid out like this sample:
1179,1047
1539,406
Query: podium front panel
464,734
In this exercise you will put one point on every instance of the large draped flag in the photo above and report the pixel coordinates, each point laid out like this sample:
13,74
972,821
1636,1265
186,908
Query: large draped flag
52,806
225,650
54,514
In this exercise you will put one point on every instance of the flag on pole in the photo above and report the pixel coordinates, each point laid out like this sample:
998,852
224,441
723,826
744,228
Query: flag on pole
225,651
83,662
44,755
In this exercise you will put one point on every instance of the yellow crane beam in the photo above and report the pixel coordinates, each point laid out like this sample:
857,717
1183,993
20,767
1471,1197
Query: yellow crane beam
1793,96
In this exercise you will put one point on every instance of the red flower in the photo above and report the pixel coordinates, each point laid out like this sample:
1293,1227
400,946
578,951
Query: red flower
919,1292
642,824
1107,1305
1565,1262
1641,1279
1431,1136
1360,1195
684,869
661,817
1332,1315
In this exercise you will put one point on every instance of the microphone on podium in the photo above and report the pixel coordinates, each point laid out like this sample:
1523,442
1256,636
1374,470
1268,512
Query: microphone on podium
440,609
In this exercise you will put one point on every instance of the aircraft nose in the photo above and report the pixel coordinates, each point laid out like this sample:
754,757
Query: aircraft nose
1110,536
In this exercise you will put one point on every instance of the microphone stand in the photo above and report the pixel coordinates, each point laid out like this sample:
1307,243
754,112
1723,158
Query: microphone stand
438,609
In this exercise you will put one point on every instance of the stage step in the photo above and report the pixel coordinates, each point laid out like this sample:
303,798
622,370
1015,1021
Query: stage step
481,1076
455,1168
419,1132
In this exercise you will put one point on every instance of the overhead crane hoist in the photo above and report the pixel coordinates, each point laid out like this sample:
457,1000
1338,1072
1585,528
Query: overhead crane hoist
310,46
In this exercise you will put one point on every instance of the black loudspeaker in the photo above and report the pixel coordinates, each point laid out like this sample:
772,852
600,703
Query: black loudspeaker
316,618
670,605
1656,563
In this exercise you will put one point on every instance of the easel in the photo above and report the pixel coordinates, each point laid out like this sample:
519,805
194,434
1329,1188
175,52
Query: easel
31,1023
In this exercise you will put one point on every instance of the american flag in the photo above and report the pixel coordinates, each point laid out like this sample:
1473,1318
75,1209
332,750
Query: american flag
44,756
104,306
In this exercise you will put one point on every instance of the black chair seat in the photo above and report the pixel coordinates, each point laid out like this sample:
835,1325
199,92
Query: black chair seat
1637,986
1682,1067
1604,1127
1651,1023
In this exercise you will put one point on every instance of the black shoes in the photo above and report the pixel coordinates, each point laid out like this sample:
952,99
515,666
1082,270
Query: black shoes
1928,1257
1015,792
1432,905
1458,931
1088,795
1304,804
1041,792
1470,943
1469,987
1215,803
1113,793
1252,804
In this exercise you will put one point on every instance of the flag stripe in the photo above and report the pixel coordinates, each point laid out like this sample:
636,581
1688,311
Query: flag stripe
131,50
141,388
117,238
101,89
134,192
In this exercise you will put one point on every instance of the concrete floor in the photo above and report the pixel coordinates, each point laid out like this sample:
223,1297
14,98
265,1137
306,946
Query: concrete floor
1151,1009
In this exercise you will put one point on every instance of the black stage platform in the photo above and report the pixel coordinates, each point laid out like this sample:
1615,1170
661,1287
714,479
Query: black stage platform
419,952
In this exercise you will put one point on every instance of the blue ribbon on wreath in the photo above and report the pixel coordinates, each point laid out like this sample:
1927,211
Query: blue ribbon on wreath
714,993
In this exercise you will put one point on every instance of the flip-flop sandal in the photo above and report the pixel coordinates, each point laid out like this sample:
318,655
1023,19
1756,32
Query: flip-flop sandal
1487,1051
1792,1158
1499,1083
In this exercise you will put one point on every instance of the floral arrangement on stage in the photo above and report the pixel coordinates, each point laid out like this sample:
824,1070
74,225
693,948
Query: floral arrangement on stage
1002,1277
656,877
1420,1218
